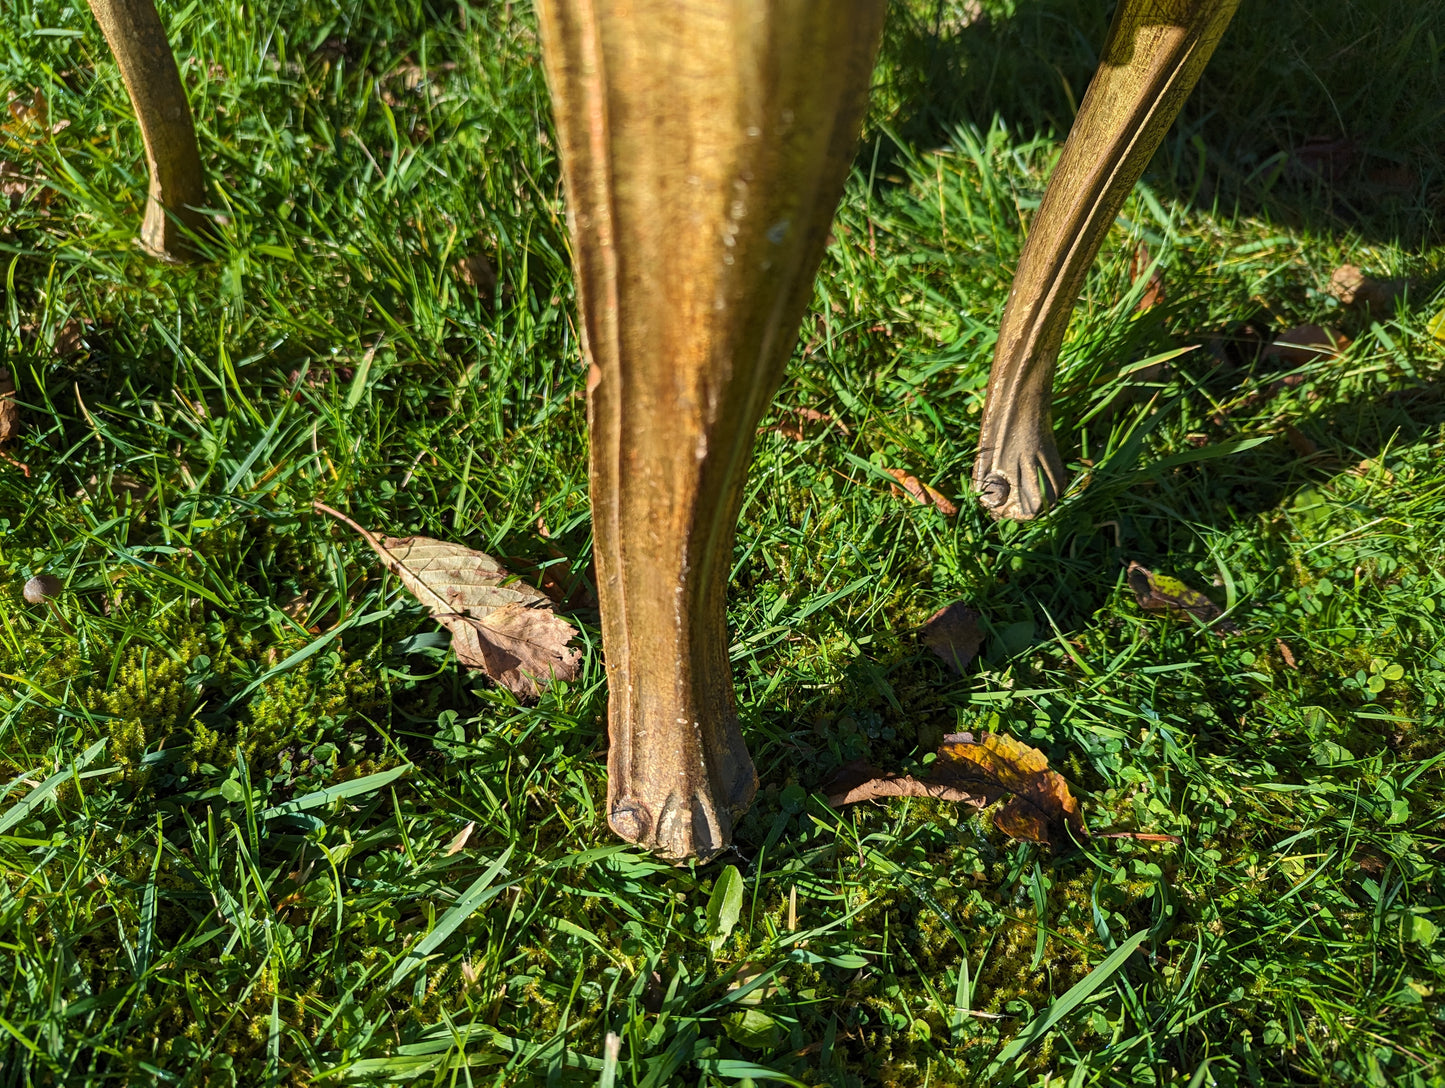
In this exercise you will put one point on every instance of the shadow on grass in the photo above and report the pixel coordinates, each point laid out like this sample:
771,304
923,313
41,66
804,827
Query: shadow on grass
1317,115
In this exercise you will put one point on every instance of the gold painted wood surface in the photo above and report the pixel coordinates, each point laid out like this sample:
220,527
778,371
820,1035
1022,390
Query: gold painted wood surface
1154,55
177,187
704,147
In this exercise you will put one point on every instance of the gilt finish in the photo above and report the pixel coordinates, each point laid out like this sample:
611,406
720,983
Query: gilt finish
704,148
1154,55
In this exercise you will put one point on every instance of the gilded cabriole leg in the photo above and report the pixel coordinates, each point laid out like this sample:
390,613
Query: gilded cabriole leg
1154,55
177,187
704,148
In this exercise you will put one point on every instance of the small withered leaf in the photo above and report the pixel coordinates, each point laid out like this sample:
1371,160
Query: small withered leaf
1039,806
1307,344
1286,653
1140,263
9,419
478,273
921,492
459,840
1354,287
1302,444
954,634
801,424
9,410
505,628
1162,593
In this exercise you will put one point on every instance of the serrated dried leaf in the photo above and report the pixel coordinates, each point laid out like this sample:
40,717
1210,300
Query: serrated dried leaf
504,628
1162,593
953,633
979,772
921,493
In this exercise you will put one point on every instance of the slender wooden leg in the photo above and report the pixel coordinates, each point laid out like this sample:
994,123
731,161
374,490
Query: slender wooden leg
1152,59
177,187
704,147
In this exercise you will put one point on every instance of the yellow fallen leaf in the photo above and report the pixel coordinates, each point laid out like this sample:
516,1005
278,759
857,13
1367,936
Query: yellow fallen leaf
979,772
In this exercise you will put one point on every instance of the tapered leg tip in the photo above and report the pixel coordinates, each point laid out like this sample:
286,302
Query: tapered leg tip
685,825
678,831
1021,487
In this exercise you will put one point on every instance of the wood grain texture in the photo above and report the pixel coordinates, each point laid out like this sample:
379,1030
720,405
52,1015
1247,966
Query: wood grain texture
704,148
177,186
1154,55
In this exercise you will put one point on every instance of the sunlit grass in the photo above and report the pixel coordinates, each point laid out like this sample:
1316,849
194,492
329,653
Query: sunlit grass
235,756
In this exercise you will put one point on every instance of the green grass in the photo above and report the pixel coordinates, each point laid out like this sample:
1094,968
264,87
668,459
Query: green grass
235,753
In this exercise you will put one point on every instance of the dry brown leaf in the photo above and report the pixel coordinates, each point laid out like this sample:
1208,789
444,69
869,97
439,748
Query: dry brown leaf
1286,653
1154,289
119,484
32,114
1161,593
1354,288
1394,178
921,492
9,410
954,635
979,772
1302,444
508,631
1329,160
799,424
9,418
412,79
459,840
477,272
1306,344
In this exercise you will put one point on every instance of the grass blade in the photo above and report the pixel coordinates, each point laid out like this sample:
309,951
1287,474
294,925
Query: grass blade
22,809
481,891
1077,994
354,788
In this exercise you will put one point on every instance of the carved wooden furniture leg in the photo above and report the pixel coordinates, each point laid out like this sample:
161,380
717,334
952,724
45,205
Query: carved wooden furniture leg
177,187
1153,57
704,147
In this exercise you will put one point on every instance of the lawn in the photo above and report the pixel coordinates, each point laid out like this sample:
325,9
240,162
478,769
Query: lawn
258,827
